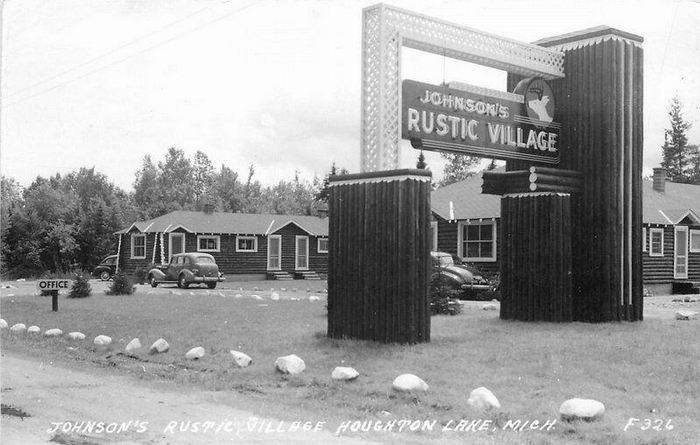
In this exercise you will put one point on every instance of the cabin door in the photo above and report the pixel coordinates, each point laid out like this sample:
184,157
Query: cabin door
680,253
302,253
274,252
176,244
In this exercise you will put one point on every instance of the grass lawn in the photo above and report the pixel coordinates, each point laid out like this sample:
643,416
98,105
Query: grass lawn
648,370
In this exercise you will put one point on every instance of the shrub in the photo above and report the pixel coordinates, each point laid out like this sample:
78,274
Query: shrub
81,287
121,285
443,298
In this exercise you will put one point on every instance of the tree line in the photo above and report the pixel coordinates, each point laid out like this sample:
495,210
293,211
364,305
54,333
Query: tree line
67,222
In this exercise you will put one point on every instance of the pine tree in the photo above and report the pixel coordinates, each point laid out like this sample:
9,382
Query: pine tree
421,164
81,287
676,152
458,168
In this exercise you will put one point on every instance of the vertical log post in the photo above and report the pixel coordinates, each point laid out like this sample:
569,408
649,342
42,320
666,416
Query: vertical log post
379,256
599,106
536,257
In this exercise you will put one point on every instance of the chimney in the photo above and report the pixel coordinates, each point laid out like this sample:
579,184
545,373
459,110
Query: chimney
660,179
323,211
208,208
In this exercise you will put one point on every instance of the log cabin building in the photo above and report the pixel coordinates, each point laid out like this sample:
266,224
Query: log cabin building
466,223
245,246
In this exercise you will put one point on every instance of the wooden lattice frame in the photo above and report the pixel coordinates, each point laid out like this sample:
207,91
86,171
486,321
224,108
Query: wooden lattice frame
385,29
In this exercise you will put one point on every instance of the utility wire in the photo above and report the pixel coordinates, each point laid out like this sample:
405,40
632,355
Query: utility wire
112,51
133,55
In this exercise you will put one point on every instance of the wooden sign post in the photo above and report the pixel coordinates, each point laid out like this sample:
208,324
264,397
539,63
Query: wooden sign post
53,286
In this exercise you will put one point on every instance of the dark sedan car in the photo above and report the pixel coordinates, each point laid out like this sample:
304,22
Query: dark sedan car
105,270
187,268
467,281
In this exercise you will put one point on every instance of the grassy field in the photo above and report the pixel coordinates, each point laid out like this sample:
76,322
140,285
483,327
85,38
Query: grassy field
648,370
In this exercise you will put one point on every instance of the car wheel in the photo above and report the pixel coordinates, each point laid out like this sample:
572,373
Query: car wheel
105,276
153,281
182,282
211,285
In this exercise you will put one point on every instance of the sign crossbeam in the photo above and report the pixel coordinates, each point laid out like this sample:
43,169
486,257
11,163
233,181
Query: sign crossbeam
386,29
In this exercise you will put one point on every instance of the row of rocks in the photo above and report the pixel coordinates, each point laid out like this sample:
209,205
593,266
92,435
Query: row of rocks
483,399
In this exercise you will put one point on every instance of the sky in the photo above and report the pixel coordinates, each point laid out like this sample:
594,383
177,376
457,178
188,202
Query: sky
273,83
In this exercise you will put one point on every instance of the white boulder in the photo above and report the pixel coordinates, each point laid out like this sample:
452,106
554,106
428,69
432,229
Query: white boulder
274,296
314,298
290,364
686,315
76,336
102,341
482,399
489,307
33,330
195,353
3,324
55,332
241,359
581,409
133,346
159,346
408,383
18,328
344,373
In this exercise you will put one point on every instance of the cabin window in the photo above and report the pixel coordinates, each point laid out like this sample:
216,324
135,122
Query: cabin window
138,246
656,242
644,239
322,246
208,243
246,244
433,236
694,241
478,241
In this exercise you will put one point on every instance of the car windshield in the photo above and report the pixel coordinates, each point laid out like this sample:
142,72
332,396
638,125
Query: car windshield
204,260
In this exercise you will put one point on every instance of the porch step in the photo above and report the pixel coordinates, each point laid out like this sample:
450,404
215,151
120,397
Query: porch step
308,275
279,275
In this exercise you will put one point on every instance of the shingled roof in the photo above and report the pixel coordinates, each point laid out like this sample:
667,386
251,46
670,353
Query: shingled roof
229,223
677,202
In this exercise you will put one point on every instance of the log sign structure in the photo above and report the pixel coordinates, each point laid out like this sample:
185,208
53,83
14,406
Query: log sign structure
53,286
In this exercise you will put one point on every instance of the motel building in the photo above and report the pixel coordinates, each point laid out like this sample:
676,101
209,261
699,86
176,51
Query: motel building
466,223
244,246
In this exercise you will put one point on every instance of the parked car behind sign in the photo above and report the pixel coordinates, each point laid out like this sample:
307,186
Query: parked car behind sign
187,268
468,281
105,270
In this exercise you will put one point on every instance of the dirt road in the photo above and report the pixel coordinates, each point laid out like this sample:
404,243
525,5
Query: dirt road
62,399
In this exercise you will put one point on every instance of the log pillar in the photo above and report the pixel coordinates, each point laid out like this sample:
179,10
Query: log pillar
536,257
599,106
379,256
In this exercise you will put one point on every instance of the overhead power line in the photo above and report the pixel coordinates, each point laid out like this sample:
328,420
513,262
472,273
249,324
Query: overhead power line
132,55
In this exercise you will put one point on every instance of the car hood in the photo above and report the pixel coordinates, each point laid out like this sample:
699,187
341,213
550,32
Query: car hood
461,272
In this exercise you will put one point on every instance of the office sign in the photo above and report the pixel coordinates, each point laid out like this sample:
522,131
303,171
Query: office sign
503,126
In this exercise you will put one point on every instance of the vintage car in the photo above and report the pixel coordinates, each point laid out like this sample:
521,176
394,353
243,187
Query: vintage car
185,269
105,270
468,281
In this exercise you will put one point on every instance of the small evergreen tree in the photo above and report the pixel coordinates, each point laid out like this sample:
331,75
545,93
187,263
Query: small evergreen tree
421,164
81,287
676,152
121,285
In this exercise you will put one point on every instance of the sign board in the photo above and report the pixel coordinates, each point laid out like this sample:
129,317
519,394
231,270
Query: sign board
53,284
502,126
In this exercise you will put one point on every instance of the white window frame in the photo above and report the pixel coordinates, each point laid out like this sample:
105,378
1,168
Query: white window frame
694,233
434,245
133,238
172,235
247,237
652,231
318,245
460,241
644,239
279,252
217,238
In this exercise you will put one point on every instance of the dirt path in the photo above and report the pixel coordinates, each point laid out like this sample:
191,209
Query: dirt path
165,414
